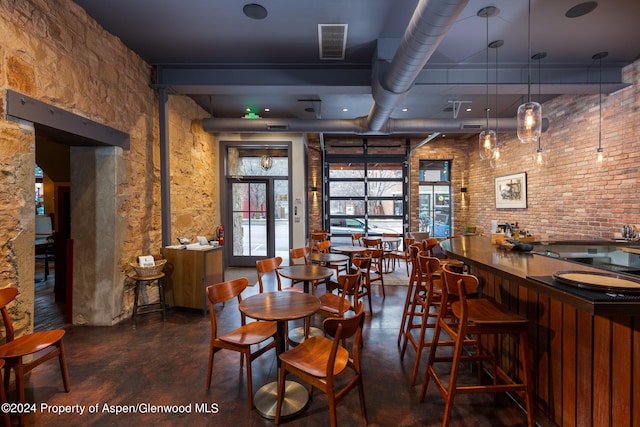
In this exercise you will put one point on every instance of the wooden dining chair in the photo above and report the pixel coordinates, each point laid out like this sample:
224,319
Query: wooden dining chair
362,263
318,360
332,305
268,276
402,253
356,239
26,352
250,339
482,319
338,266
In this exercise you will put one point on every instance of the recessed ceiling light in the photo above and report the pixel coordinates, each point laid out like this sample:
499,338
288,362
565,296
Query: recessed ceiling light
581,9
344,110
405,109
267,109
468,110
254,11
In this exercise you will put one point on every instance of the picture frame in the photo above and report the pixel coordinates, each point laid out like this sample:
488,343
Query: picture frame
511,191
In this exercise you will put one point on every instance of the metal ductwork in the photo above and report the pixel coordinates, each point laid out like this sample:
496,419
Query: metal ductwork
356,126
430,22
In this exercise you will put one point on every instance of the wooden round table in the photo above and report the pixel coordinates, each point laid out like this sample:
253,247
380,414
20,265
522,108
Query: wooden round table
280,307
350,250
306,273
327,257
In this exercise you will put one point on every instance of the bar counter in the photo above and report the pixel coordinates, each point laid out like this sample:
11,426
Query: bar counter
586,344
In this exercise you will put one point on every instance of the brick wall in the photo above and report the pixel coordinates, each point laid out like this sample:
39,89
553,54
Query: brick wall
569,199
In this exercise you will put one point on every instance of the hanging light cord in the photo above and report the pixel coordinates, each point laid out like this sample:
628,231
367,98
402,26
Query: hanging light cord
487,73
539,97
600,111
529,54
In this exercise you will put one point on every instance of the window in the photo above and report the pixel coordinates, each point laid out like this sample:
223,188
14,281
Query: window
435,197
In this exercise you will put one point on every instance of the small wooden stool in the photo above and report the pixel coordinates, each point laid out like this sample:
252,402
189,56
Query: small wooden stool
150,307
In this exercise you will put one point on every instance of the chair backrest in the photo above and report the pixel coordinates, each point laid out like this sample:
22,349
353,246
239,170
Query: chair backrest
429,244
428,265
299,255
343,328
349,286
356,239
408,241
362,261
459,285
222,292
266,266
324,246
6,296
369,242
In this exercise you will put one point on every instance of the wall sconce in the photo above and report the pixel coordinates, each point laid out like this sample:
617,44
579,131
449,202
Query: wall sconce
314,189
463,189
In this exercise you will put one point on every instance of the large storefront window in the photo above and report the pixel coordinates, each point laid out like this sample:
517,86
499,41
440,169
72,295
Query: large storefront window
365,197
435,197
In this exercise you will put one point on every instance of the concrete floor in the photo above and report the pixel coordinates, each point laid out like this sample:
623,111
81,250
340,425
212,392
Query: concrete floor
164,363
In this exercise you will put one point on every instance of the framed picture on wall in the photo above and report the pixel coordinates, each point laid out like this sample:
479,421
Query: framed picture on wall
511,191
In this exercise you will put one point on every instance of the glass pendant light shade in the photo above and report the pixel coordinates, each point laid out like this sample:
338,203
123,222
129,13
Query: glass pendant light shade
529,122
540,158
266,162
487,143
495,161
599,159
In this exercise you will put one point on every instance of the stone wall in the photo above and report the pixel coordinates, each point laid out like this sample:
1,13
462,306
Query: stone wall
54,52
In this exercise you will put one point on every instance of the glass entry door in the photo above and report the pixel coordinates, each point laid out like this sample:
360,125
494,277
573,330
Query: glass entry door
260,220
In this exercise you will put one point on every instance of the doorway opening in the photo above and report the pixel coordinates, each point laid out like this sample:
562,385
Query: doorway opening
258,188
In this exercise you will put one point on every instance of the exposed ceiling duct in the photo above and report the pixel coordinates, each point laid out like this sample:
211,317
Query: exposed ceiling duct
355,126
429,24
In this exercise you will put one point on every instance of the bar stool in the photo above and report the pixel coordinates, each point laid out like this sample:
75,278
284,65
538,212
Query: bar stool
427,295
461,318
143,278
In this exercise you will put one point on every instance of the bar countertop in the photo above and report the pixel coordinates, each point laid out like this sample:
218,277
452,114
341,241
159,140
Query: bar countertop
535,271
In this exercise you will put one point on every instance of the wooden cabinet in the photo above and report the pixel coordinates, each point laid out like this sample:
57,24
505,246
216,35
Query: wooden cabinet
188,273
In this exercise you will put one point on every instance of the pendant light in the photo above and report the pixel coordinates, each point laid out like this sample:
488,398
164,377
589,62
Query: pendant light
487,138
529,113
266,161
599,160
540,156
496,160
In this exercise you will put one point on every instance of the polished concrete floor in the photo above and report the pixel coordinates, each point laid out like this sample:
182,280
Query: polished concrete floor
136,371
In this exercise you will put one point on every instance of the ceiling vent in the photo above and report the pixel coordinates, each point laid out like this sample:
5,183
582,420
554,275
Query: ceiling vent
332,40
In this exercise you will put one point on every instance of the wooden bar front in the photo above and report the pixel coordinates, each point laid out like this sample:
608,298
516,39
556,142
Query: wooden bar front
586,354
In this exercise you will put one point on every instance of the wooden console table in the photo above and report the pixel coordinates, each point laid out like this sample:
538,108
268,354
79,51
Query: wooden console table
188,272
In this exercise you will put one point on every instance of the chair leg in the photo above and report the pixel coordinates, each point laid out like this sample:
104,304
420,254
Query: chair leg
63,367
363,406
332,408
526,366
420,346
407,300
18,369
210,368
430,361
249,381
135,304
6,419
